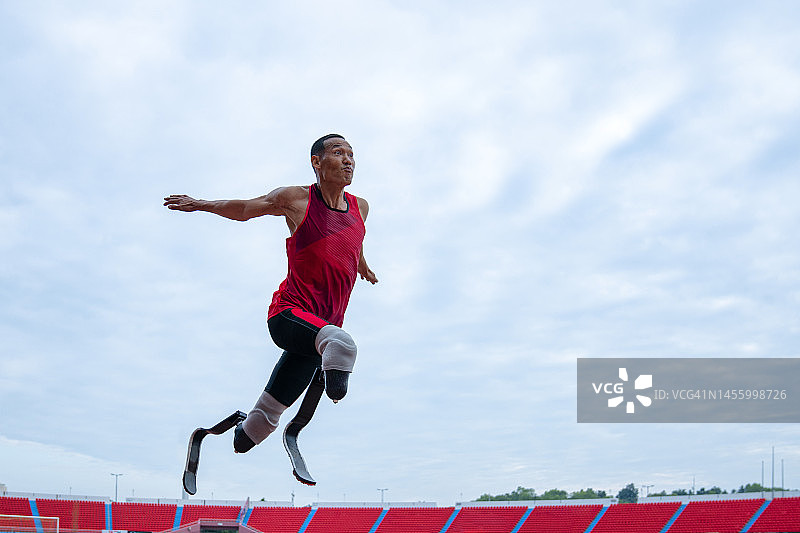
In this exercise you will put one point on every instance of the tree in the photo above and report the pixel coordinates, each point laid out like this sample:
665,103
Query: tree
629,494
554,494
519,494
712,490
588,494
757,487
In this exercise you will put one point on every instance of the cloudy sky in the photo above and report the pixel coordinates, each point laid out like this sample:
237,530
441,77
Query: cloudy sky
547,181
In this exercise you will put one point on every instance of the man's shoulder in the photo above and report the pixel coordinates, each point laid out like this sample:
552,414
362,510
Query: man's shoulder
289,194
363,206
294,190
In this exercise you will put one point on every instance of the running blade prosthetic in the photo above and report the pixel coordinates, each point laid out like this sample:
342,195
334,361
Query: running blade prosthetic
193,455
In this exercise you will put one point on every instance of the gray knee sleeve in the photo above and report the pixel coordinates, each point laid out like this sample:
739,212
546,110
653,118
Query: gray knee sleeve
264,417
337,348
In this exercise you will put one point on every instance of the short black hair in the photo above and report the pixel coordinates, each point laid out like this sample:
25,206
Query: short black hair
318,148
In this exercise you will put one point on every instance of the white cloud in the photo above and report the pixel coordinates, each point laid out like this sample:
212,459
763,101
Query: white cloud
51,469
545,182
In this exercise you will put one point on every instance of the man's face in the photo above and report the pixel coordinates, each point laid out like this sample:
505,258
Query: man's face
336,164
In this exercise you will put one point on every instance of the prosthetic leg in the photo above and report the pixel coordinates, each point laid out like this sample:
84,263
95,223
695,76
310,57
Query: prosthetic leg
300,420
193,455
338,351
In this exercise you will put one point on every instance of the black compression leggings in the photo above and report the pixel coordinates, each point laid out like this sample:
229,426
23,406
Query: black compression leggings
295,332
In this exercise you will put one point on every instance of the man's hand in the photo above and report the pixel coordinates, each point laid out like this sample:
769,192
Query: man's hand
181,202
364,270
368,275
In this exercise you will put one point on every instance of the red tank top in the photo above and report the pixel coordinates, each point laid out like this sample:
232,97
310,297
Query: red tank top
323,255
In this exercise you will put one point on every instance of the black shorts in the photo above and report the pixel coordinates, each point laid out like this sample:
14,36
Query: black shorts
294,331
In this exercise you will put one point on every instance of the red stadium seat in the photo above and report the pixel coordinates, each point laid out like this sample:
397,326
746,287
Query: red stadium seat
343,520
722,516
782,514
486,519
76,515
134,516
416,519
15,506
278,519
636,517
193,513
560,518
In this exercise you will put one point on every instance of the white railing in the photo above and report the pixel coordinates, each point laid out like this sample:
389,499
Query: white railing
538,503
374,504
44,496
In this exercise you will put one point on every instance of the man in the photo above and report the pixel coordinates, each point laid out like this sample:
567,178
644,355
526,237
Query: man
325,255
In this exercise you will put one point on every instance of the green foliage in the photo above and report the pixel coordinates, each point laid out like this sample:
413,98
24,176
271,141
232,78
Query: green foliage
519,494
527,494
588,494
756,487
554,494
629,494
752,487
712,490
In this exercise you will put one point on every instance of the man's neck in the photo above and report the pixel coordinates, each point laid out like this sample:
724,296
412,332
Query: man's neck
332,195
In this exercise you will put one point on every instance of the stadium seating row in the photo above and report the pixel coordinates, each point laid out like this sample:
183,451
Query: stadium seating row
724,516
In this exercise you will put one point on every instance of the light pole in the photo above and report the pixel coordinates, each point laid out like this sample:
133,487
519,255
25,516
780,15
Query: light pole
382,491
647,490
116,484
773,472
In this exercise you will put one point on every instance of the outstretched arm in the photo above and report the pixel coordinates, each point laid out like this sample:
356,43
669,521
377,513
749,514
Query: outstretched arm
233,209
284,201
